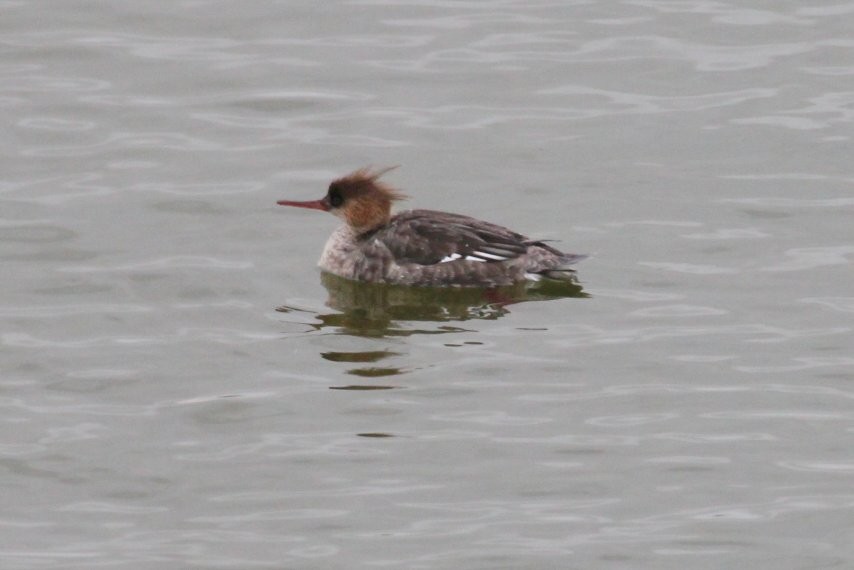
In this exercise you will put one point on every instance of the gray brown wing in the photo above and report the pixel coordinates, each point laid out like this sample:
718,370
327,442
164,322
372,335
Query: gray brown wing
427,237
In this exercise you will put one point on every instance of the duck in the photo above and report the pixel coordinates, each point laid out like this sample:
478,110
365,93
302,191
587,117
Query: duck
425,248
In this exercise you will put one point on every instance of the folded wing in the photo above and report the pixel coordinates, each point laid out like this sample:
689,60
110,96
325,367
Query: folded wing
427,237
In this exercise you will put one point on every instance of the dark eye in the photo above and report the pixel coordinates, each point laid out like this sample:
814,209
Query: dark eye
335,198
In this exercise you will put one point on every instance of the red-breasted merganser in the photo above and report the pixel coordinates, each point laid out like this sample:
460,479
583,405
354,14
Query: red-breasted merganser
424,247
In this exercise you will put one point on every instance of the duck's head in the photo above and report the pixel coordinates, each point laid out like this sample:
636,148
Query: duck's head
360,199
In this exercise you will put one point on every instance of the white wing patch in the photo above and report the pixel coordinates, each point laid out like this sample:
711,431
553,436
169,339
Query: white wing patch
474,256
489,256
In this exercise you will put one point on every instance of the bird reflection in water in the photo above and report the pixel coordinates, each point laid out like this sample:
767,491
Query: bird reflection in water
380,310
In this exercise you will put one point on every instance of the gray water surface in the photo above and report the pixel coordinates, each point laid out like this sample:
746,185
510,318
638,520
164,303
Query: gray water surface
181,389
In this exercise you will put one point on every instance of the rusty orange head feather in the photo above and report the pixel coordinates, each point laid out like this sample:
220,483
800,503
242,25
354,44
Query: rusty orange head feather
360,198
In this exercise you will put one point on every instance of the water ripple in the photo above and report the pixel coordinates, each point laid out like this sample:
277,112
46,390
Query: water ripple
262,516
636,295
822,111
778,202
630,420
579,335
637,103
461,20
691,268
811,257
730,234
819,467
221,335
585,440
294,129
115,508
79,432
634,391
725,13
163,263
55,124
287,445
354,41
841,304
147,410
764,416
77,185
140,140
39,84
715,437
30,232
689,460
801,363
650,528
58,311
678,311
198,189
488,417
468,117
191,49
703,57
20,449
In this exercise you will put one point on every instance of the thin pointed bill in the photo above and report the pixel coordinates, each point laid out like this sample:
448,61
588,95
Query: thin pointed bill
310,204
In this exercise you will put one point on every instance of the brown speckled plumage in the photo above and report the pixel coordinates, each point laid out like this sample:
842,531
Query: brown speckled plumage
425,247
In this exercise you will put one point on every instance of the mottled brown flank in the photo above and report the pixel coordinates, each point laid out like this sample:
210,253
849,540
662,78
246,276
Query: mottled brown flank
393,254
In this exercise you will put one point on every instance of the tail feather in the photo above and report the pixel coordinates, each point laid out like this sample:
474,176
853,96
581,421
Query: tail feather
564,270
568,259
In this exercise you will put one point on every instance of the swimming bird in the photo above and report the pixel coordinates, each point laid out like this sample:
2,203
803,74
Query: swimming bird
425,247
